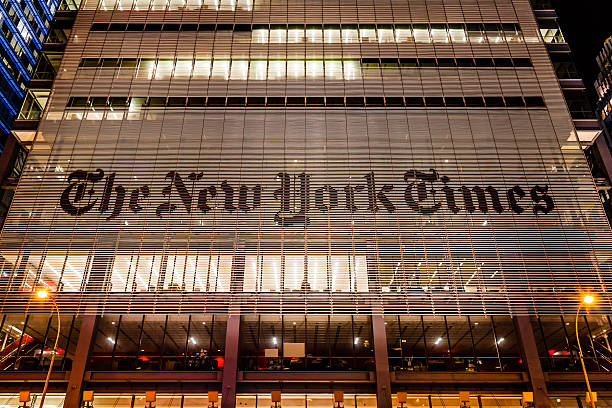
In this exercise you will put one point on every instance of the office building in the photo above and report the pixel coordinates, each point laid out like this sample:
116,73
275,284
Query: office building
306,197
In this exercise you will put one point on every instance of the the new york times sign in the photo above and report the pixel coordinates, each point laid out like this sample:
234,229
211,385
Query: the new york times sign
424,192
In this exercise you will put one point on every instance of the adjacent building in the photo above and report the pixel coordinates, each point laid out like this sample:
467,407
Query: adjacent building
307,197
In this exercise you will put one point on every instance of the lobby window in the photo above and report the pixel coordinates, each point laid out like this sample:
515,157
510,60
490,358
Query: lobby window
311,400
159,342
27,340
305,342
450,343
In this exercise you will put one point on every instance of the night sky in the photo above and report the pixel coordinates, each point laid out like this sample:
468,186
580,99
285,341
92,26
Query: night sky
585,24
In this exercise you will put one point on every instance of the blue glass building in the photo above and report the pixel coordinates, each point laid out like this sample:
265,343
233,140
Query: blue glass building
24,26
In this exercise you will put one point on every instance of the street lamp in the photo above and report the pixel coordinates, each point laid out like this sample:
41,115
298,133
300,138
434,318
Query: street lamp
43,294
586,300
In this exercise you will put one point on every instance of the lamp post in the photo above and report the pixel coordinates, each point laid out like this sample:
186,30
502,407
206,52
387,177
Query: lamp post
587,300
44,294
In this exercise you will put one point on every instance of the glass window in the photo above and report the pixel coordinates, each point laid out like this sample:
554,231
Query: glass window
278,34
220,69
295,69
475,34
350,34
295,34
258,70
403,33
183,68
314,69
240,70
457,33
314,34
260,34
333,69
352,70
421,33
367,33
276,69
331,34
385,34
439,33
201,68
164,68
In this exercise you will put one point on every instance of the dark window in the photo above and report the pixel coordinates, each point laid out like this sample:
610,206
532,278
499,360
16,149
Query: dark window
494,101
293,101
375,101
156,102
98,101
129,62
394,101
446,62
256,101
434,101
409,62
335,101
534,101
389,62
454,101
354,101
171,27
370,62
514,101
117,27
176,102
315,101
206,27
492,27
215,101
118,101
502,62
109,62
242,27
153,27
77,102
135,27
414,101
280,101
225,27
261,26
522,62
427,62
196,102
189,27
99,27
465,62
236,101
484,62
89,63
474,101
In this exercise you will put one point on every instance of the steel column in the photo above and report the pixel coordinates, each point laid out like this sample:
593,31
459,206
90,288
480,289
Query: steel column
529,351
383,377
84,344
230,368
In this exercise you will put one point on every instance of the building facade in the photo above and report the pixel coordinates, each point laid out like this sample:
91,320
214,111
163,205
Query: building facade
247,196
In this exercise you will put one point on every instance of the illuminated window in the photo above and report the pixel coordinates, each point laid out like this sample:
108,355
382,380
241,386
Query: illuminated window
220,69
385,34
314,69
146,68
276,69
164,69
201,68
295,34
333,69
295,69
258,70
403,33
260,34
350,34
421,33
332,34
278,34
240,69
352,69
183,68
439,34
457,33
367,32
314,34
